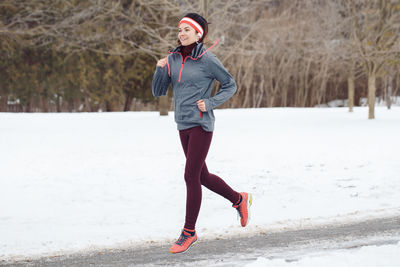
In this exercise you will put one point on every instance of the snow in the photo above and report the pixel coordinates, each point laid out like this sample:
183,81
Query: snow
83,181
395,101
367,256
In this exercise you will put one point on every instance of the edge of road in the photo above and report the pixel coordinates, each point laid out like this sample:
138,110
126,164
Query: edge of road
305,226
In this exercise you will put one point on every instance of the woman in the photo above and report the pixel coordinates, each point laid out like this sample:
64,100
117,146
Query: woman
192,69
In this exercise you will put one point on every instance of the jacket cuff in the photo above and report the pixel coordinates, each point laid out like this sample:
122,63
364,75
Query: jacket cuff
208,105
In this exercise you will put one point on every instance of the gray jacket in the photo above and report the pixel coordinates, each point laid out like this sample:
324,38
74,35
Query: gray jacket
192,79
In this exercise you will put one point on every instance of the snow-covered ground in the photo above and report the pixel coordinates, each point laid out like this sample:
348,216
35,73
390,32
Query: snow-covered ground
94,180
368,256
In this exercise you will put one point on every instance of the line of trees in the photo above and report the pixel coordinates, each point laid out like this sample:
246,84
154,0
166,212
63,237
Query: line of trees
92,55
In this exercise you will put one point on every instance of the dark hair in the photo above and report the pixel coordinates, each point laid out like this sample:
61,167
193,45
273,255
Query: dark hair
200,20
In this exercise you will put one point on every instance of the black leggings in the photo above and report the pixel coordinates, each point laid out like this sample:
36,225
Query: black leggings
196,142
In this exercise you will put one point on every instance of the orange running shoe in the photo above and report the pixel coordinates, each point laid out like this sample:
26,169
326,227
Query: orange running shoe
184,243
243,208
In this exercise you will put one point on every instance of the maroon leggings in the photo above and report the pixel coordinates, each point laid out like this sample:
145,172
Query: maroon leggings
196,142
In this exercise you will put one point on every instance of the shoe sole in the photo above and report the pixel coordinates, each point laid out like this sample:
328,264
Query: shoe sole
249,202
186,250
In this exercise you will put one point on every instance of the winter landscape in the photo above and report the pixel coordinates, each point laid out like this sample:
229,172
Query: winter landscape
73,182
91,174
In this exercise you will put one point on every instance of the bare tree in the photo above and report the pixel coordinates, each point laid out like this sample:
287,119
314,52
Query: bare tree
375,32
281,52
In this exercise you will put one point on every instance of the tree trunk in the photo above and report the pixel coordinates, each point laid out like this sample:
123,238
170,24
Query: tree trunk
28,106
59,100
163,105
389,92
128,102
350,84
109,106
205,7
45,103
350,88
371,95
3,103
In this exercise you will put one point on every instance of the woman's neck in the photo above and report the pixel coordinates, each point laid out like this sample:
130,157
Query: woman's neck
187,50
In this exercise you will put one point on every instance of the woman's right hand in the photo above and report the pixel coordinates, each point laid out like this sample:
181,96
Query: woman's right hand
162,62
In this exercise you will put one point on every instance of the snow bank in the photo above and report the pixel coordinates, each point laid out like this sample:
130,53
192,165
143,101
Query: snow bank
368,256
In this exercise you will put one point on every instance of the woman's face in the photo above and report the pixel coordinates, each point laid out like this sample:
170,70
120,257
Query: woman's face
187,34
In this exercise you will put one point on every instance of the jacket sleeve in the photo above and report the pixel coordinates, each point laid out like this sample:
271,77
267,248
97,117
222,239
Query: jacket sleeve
161,81
228,84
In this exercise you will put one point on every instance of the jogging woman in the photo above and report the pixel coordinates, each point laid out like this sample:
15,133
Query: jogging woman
192,70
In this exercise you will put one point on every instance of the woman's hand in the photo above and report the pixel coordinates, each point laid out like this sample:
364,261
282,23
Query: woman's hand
201,105
162,62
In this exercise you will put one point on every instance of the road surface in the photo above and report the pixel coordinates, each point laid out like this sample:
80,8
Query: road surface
289,245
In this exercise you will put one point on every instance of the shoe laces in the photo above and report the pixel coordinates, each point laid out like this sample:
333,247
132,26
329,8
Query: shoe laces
182,239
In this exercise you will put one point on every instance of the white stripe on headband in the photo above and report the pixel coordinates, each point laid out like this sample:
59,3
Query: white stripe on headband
194,24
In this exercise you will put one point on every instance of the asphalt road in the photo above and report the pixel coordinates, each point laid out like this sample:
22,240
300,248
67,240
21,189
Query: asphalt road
289,245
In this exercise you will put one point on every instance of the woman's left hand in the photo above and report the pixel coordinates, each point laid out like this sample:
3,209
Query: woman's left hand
201,105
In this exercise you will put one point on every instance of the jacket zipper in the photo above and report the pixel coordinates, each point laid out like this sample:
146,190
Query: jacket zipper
180,75
183,63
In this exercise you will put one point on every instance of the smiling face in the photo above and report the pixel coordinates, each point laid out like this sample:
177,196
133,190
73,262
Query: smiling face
187,34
